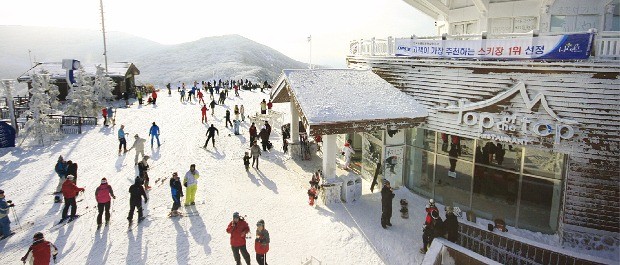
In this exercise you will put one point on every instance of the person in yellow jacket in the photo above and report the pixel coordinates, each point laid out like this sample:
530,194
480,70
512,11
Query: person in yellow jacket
191,184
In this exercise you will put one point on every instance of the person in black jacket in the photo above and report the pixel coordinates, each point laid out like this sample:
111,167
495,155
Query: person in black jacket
387,195
72,170
211,135
177,193
136,191
143,167
264,137
451,225
227,117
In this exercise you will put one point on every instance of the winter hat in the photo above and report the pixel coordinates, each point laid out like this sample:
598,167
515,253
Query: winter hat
1,191
104,180
235,215
135,136
386,182
260,223
70,177
37,236
60,158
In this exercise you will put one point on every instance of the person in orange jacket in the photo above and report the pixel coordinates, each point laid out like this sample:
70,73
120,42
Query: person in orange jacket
70,191
154,96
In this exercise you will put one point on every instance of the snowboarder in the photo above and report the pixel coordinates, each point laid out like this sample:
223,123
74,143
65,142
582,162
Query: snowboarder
211,135
61,170
451,225
177,193
5,223
154,96
143,167
404,211
261,243
242,112
41,251
387,194
136,192
236,124
203,111
154,133
103,194
70,191
263,107
237,229
246,161
253,134
190,181
111,115
72,170
139,145
122,142
104,113
255,151
212,105
347,151
227,117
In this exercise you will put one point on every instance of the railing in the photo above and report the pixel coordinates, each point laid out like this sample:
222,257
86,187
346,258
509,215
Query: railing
443,251
606,43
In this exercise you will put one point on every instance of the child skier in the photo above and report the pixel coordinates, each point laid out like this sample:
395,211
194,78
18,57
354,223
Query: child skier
246,161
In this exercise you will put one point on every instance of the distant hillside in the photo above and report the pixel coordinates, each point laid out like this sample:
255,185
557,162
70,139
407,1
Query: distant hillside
230,56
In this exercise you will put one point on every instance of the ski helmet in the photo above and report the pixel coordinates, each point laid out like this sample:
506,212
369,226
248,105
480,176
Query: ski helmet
37,236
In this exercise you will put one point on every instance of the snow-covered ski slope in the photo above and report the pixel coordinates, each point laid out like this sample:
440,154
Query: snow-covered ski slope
333,234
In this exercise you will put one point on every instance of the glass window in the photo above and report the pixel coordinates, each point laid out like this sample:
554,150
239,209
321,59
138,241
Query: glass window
371,155
456,146
560,24
544,163
378,135
420,177
540,204
452,181
495,194
395,137
499,155
422,138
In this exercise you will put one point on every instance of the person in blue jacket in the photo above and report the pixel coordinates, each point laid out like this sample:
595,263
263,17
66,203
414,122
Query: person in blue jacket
121,139
61,170
111,115
5,228
154,133
177,192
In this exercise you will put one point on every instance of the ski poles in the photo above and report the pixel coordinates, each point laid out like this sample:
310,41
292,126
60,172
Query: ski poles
12,205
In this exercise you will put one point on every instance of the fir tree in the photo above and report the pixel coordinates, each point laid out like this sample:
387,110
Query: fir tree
103,86
83,101
39,125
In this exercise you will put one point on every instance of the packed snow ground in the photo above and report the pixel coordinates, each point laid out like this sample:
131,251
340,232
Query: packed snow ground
334,234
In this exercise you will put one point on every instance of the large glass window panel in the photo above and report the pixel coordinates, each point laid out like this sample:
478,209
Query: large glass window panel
498,154
378,135
540,204
422,138
420,175
452,181
543,163
371,155
456,146
495,193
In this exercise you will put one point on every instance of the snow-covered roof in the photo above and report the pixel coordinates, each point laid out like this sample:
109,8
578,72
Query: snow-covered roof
359,100
118,69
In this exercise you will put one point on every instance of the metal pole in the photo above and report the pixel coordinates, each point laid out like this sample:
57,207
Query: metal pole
310,40
105,47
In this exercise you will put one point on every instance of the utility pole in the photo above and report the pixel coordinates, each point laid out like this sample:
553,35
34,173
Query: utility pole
310,41
105,48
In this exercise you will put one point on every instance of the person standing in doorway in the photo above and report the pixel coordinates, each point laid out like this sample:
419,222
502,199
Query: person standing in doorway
191,182
387,195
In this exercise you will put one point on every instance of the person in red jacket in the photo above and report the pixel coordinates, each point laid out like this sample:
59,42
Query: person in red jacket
237,229
204,110
103,194
154,96
104,113
41,251
70,191
261,243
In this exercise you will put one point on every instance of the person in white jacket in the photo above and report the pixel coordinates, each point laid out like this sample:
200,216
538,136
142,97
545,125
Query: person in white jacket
138,144
191,184
347,151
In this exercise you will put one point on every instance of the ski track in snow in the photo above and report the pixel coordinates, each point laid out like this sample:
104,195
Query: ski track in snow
276,193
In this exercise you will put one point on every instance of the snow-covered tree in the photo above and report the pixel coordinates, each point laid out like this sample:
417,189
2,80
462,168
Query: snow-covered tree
83,101
103,86
39,125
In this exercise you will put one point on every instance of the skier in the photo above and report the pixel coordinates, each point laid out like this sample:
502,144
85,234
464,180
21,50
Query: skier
104,113
227,117
61,170
255,151
237,229
222,97
139,96
72,170
136,191
212,105
154,96
5,223
269,106
430,230
236,88
70,191
387,194
200,97
204,110
177,193
263,107
246,161
190,181
191,94
111,115
210,90
182,95
253,134
121,139
154,133
41,251
211,135
143,167
451,225
236,124
103,194
139,145
261,243
242,112
168,87
347,151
